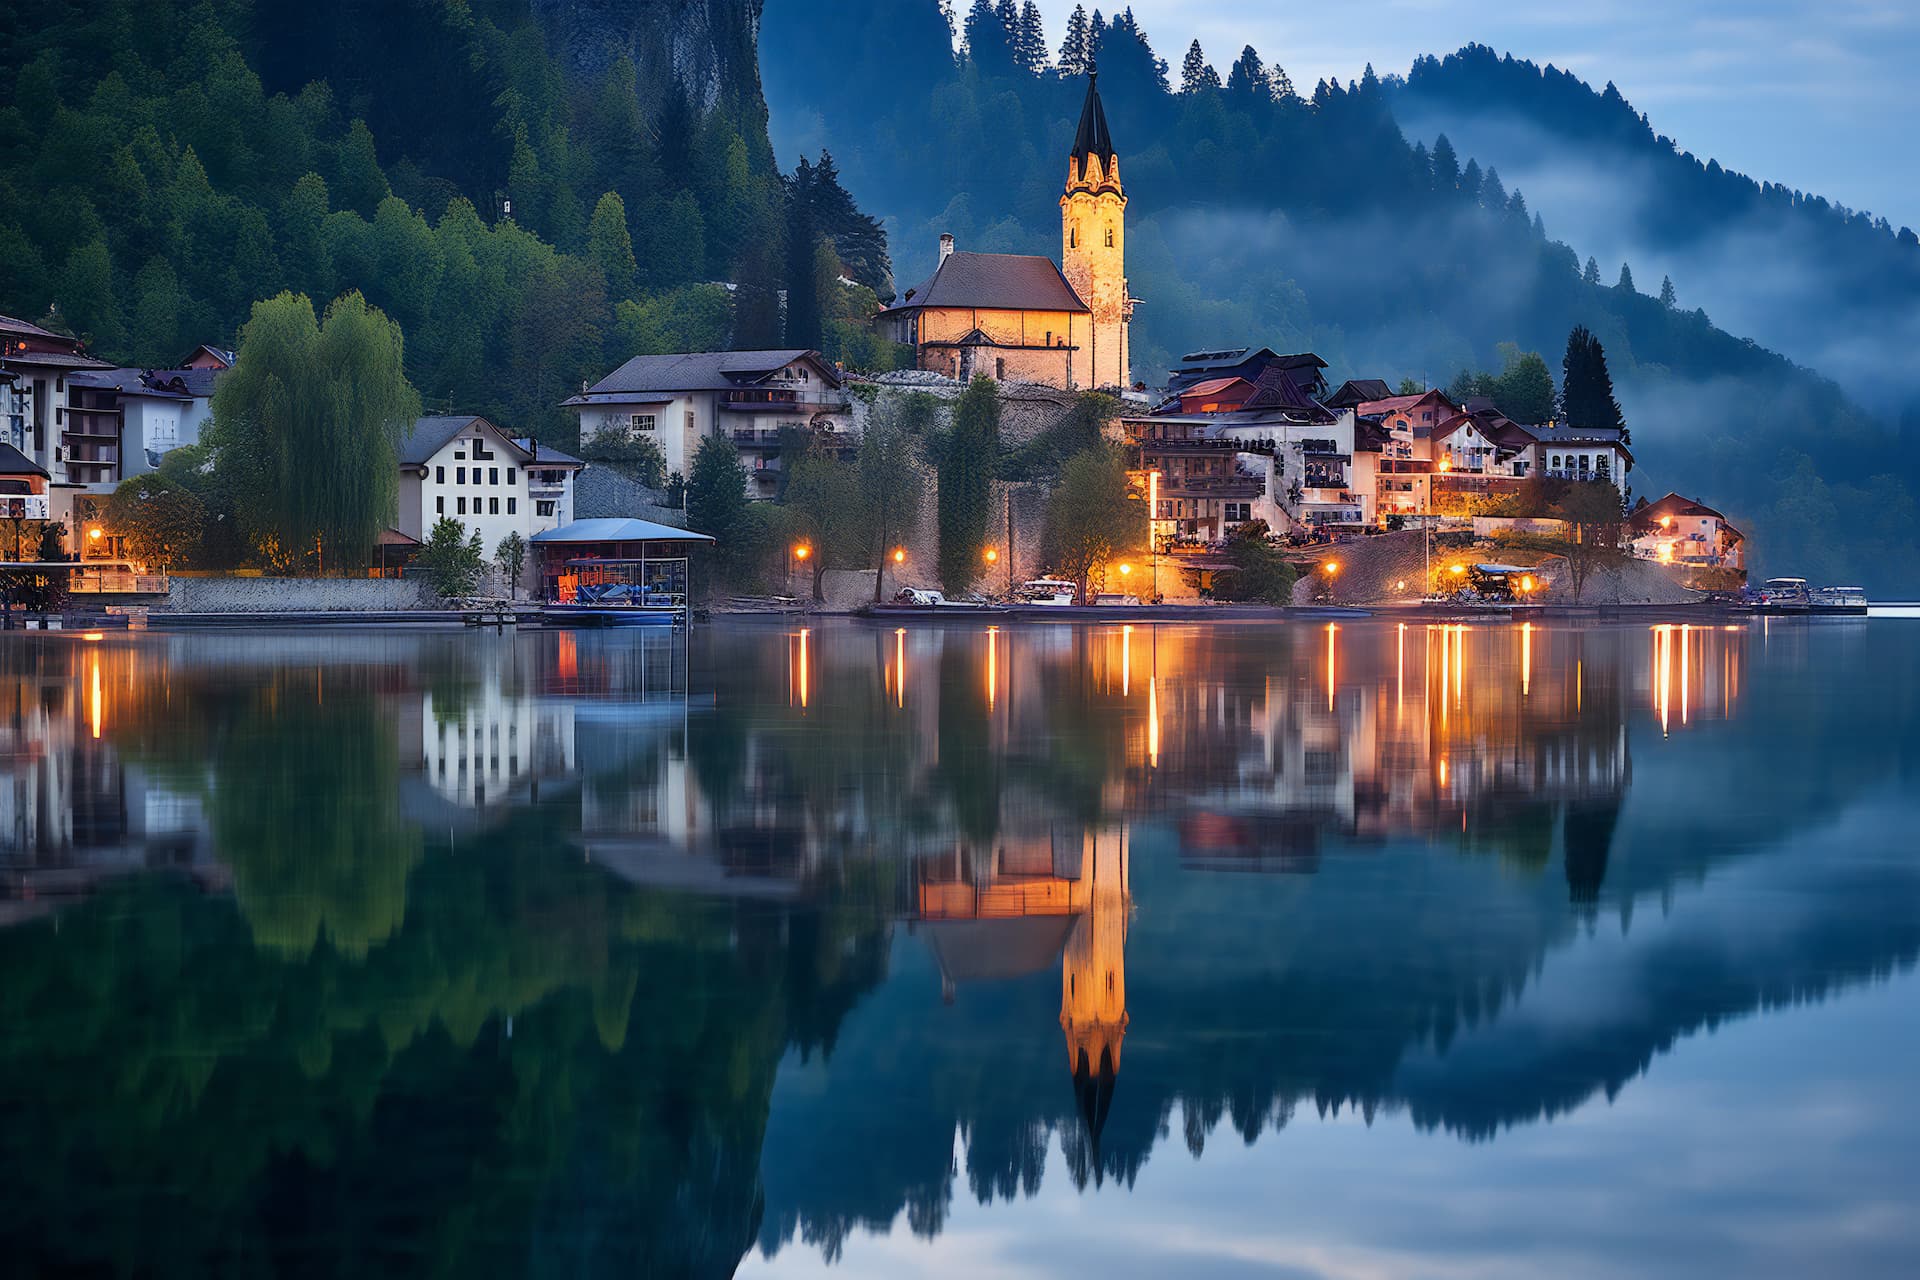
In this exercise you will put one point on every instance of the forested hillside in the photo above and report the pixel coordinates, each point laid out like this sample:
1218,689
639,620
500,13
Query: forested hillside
1832,287
1302,217
529,216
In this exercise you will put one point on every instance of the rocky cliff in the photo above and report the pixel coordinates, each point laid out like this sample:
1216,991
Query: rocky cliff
710,48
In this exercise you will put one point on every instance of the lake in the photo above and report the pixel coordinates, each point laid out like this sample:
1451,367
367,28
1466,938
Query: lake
1361,949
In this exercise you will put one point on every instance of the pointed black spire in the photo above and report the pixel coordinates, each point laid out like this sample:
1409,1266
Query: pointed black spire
1092,138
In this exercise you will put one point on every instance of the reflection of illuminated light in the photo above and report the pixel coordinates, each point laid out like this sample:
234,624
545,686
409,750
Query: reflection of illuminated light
1663,672
803,668
1400,671
1443,771
993,666
1526,659
900,666
1459,665
1685,632
1330,630
95,636
1126,661
96,698
1153,721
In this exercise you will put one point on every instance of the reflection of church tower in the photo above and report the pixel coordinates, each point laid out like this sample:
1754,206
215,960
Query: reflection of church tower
1093,977
1093,233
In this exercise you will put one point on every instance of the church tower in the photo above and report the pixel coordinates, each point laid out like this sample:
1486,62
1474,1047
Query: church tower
1093,977
1093,234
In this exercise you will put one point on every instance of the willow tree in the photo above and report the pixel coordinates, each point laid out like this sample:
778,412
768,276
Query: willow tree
308,422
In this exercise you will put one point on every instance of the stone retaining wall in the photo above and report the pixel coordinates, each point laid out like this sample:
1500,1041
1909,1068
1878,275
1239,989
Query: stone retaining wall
295,595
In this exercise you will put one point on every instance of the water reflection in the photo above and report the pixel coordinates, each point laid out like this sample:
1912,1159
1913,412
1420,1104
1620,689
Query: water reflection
588,949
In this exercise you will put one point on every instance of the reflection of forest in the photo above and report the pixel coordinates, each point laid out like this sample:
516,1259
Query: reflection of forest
863,891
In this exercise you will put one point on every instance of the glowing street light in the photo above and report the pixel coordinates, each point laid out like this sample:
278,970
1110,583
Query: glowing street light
801,551
1126,570
993,555
899,555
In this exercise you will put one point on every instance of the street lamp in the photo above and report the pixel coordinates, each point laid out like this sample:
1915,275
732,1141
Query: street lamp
797,551
1153,530
993,555
899,555
1332,568
1526,586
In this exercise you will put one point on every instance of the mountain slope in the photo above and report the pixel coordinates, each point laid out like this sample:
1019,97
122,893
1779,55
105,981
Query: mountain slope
1835,288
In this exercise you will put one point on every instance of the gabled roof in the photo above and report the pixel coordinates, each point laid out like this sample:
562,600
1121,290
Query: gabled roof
1092,137
1276,389
699,371
1675,505
1355,392
430,435
999,281
134,382
15,463
545,455
618,530
1399,404
220,354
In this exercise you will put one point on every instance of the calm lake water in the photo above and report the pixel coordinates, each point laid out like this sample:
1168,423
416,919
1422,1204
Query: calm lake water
1355,951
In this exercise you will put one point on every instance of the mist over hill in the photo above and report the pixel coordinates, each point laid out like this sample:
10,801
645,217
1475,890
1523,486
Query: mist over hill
1302,217
1833,288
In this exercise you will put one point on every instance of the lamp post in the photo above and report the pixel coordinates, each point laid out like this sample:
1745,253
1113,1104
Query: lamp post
797,551
1332,570
1153,532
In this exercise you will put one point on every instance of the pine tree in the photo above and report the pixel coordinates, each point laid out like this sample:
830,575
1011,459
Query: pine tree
610,244
1446,165
1493,192
1279,84
1625,284
156,314
88,298
361,186
1195,74
1076,51
1591,276
1096,40
1030,40
1586,388
989,43
1668,298
1248,78
1471,180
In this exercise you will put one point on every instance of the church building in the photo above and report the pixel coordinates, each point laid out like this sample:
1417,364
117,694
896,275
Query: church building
1022,317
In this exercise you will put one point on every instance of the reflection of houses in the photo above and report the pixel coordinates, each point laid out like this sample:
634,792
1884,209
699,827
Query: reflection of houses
73,812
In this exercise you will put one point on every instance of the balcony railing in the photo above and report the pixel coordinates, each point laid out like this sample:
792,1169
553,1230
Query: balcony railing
775,401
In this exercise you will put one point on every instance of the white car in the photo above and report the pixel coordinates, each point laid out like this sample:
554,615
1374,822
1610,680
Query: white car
919,596
1051,592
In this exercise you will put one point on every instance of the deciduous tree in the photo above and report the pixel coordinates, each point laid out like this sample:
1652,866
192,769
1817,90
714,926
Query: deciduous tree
307,423
1093,518
451,559
162,521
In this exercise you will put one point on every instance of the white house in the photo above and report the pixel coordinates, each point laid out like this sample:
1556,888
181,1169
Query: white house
464,467
746,397
1581,453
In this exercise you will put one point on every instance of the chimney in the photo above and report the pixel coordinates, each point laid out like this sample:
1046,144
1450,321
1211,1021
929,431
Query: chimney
946,246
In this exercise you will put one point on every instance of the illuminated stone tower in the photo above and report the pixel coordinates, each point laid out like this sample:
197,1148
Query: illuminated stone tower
1093,234
1093,976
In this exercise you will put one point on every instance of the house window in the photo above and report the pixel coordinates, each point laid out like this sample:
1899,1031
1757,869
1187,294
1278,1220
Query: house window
511,473
642,422
1553,463
460,506
1073,237
459,473
493,506
493,475
1109,237
512,505
543,508
439,506
480,451
1000,369
459,455
689,422
439,475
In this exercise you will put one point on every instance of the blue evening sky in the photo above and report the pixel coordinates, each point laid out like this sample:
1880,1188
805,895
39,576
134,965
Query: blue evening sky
1817,94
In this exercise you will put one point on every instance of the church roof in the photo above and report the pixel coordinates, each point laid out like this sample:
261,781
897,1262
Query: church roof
1001,281
1092,138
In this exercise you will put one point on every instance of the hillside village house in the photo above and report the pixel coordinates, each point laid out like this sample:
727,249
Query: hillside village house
1021,317
1677,530
466,468
90,425
748,397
